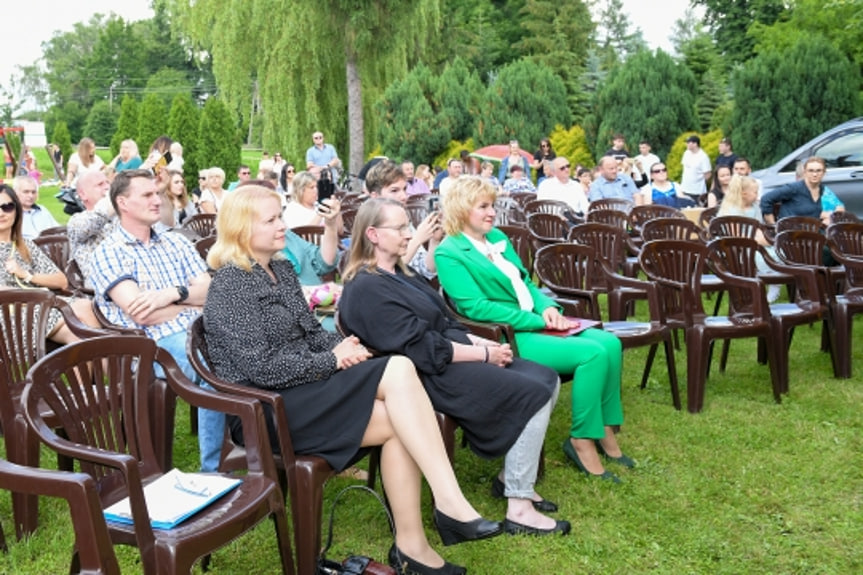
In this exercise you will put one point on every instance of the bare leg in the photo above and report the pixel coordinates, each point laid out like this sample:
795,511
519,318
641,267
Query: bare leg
586,450
83,308
413,423
62,334
609,443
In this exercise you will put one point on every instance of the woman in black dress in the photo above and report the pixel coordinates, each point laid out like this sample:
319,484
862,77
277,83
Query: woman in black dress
260,332
502,403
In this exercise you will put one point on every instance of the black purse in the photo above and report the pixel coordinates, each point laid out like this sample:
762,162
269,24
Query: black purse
354,564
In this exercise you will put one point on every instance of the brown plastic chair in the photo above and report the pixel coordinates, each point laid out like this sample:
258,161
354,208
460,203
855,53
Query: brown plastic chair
93,553
76,280
522,242
99,389
304,475
312,234
618,204
672,229
204,244
417,211
844,217
566,268
547,229
736,256
55,231
348,217
57,248
508,212
523,198
846,245
609,216
677,267
23,332
639,215
555,207
706,215
201,225
805,223
352,201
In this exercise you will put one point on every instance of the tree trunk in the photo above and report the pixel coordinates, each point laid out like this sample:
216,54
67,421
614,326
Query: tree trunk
356,129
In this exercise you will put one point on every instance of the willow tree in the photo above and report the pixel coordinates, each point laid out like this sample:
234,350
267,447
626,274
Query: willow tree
315,64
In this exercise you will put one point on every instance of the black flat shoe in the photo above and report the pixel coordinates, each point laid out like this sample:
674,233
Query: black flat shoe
569,451
513,528
543,505
404,565
622,460
452,531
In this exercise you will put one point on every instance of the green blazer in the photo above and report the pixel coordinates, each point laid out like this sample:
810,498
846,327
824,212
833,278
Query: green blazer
480,291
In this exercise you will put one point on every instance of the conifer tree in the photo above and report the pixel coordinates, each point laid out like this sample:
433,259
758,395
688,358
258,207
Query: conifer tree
101,123
127,124
183,126
218,142
63,139
152,121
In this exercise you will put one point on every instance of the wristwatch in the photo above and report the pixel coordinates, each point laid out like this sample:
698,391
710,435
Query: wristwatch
184,294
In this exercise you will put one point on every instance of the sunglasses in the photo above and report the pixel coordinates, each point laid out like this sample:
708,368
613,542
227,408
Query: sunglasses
564,167
658,170
289,171
7,208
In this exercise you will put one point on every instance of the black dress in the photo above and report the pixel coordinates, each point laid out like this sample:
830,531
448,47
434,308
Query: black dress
261,333
399,314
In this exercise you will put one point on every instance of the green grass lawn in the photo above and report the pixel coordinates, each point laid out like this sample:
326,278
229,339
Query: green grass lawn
746,486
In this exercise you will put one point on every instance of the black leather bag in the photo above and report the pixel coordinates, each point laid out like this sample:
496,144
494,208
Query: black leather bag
354,564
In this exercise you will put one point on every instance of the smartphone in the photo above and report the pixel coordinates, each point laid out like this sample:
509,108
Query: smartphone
434,203
162,162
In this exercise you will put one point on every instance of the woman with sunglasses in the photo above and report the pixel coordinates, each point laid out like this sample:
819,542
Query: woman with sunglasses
286,180
544,154
666,192
26,266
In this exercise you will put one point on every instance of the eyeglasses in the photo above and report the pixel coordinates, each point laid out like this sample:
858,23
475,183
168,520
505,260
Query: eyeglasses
7,208
244,173
815,170
318,137
202,178
402,229
658,170
564,167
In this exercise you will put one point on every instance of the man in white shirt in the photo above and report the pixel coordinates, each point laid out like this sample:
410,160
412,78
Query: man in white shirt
35,217
646,158
454,168
696,168
559,186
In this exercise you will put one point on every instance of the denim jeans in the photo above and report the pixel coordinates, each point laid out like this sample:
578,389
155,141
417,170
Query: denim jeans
211,424
521,462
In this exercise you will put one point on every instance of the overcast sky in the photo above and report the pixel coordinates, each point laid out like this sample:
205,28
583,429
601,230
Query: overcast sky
22,41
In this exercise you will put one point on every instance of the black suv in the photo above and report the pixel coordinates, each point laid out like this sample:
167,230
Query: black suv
842,149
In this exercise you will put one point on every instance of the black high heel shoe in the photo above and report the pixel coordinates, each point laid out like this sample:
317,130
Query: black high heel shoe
452,531
569,451
543,505
622,460
404,565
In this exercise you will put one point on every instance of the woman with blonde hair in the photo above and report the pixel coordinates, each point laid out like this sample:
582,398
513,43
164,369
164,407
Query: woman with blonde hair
261,333
301,210
482,273
84,159
176,195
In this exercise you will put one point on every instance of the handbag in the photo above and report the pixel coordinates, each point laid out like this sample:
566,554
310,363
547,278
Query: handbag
354,564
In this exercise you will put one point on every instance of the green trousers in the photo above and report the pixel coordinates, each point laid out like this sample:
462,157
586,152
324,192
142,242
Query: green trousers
593,358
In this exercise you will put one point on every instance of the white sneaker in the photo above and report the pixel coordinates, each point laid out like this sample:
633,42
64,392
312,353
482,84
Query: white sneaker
773,292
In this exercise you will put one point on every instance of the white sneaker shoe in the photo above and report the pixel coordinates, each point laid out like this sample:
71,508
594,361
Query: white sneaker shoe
773,292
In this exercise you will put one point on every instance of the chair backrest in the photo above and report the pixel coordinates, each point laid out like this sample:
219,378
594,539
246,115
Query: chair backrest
547,228
846,244
546,207
672,229
508,212
76,280
565,266
612,217
607,240
737,256
734,227
348,217
522,242
352,201
202,225
706,215
844,217
57,248
798,223
55,231
677,266
523,198
618,204
203,246
799,246
417,211
639,215
312,234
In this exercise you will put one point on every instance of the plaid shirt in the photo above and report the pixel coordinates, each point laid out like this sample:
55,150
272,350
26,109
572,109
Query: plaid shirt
169,260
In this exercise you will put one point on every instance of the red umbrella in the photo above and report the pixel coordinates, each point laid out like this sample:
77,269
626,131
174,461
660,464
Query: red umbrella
498,152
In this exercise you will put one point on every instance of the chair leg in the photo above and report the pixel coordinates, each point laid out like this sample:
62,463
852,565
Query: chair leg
776,356
723,358
651,354
697,350
842,342
25,507
307,503
672,372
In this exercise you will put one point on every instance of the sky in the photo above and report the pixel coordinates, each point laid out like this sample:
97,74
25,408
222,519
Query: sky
22,43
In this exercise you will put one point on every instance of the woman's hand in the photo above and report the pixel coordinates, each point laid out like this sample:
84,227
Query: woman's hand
16,270
330,212
553,320
430,228
350,352
476,340
499,355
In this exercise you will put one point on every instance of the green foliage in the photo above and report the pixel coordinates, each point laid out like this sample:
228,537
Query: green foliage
649,97
152,120
101,123
729,21
616,42
526,102
722,118
70,113
61,137
476,31
168,83
458,93
572,144
675,154
127,124
183,125
218,144
785,97
711,95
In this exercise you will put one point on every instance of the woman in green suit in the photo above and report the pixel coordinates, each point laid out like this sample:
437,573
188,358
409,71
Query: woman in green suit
482,274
